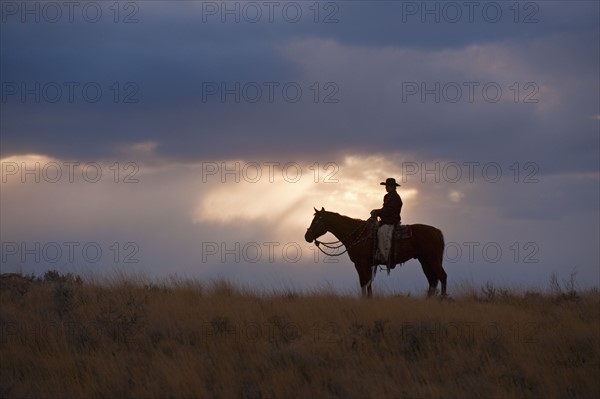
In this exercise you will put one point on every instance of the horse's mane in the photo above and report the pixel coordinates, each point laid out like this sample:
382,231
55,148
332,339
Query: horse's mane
343,216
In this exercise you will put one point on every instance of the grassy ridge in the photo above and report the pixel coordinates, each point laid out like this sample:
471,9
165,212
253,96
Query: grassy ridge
62,337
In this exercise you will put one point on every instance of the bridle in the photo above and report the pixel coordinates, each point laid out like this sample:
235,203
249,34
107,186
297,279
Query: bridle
338,244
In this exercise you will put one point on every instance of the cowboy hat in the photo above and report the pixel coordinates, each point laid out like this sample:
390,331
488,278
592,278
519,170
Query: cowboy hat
390,181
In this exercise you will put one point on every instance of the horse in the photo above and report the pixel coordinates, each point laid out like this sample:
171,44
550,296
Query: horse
426,244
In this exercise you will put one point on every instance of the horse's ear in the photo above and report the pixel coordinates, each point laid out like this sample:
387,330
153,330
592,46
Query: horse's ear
322,209
315,209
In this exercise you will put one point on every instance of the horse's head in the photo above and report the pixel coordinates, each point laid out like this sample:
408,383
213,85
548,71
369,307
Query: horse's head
317,227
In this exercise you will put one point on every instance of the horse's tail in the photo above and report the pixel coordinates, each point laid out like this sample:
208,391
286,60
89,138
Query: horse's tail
443,247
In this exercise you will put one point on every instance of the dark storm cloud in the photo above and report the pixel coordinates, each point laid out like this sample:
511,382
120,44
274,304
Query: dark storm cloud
367,52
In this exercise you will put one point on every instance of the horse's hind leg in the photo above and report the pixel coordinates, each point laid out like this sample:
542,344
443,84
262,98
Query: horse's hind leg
432,286
441,275
431,276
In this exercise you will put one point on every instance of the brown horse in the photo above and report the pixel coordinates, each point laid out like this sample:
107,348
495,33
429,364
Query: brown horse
426,244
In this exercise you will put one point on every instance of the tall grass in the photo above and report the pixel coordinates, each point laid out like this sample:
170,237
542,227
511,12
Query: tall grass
61,336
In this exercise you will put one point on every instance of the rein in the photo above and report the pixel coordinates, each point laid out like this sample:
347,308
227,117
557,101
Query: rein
338,244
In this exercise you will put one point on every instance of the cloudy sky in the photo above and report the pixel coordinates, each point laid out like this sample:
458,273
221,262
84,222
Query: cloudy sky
193,138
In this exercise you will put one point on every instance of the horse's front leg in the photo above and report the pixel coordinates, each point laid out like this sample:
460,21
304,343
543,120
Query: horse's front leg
366,279
366,290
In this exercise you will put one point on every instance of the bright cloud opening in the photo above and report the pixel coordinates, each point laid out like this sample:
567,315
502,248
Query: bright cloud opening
351,187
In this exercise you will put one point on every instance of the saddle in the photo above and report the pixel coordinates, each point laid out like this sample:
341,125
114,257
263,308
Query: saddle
401,232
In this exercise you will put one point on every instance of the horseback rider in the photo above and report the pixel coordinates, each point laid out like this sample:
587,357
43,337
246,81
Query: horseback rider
390,216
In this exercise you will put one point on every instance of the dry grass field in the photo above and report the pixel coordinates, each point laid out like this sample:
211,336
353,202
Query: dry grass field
63,337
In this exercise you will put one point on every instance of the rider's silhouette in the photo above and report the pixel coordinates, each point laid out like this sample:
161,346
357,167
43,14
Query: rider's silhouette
390,216
392,204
